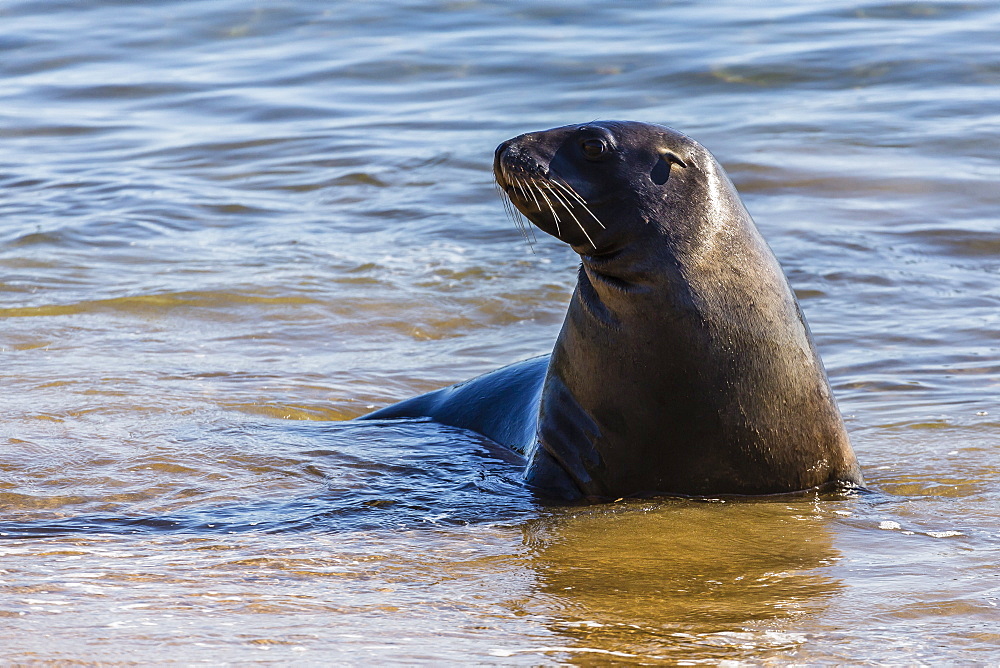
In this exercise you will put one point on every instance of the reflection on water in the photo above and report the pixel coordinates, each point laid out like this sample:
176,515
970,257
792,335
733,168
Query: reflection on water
686,563
228,228
662,579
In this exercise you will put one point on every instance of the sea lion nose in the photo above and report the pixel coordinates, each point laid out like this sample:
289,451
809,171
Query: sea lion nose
502,153
501,149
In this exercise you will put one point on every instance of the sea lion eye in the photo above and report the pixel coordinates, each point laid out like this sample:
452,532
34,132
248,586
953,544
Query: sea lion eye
593,148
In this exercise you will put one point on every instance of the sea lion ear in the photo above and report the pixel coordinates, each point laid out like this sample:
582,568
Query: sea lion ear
661,171
672,157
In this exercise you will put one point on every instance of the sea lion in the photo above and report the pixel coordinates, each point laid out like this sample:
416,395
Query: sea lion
684,365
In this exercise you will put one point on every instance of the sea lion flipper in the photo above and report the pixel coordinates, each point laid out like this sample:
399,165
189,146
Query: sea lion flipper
501,405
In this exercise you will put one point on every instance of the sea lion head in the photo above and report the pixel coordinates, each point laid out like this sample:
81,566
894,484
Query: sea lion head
602,185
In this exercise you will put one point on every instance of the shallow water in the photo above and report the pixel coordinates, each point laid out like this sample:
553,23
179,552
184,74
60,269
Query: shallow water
227,227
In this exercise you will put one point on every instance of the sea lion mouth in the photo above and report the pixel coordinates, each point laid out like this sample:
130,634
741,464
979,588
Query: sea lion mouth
528,188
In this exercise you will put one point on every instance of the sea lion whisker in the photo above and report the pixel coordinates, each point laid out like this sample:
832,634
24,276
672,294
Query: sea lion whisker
518,219
548,201
520,186
528,183
525,189
506,175
533,182
566,188
513,214
561,199
583,203
513,183
569,210
504,199
552,209
510,214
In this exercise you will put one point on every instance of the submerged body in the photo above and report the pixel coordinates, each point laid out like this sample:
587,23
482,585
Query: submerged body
684,365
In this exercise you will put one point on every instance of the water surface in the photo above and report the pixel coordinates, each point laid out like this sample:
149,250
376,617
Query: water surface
228,227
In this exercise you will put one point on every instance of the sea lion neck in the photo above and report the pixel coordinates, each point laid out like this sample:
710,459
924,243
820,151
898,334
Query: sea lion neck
637,278
628,267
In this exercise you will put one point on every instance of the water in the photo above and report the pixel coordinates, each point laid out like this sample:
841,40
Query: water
227,227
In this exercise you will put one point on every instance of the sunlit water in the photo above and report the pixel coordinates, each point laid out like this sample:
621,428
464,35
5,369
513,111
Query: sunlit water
227,227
